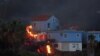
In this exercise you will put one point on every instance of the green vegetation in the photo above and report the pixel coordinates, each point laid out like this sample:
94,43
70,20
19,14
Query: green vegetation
12,37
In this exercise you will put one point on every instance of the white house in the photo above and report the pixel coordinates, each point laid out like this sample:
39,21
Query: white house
45,23
96,35
67,40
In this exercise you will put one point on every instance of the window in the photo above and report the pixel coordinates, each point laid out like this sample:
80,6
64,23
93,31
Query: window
77,45
61,34
48,25
55,45
73,45
99,35
58,27
77,35
65,35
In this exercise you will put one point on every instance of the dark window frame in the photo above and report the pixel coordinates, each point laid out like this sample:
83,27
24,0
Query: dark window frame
48,25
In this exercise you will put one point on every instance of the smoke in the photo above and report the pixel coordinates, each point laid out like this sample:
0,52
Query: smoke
79,12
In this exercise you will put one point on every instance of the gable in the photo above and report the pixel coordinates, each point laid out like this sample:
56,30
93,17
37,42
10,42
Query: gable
53,18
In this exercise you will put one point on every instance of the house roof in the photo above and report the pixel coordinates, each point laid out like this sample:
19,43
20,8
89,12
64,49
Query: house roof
93,31
64,31
41,18
69,41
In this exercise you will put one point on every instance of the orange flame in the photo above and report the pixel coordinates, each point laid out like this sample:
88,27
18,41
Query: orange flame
48,49
29,31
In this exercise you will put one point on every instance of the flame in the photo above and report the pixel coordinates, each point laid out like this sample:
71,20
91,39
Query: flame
48,49
35,35
29,31
28,28
38,51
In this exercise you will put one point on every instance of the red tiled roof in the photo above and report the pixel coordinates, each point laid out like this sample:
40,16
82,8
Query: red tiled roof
40,18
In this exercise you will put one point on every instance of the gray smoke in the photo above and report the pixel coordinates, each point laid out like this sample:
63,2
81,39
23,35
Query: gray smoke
83,13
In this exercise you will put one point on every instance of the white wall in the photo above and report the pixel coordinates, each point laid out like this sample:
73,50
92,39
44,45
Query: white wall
65,46
59,46
43,25
70,36
40,26
75,46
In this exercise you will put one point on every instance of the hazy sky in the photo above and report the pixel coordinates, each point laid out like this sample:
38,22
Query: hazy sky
83,13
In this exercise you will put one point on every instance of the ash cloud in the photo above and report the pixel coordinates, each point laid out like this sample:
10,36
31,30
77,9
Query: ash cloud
80,12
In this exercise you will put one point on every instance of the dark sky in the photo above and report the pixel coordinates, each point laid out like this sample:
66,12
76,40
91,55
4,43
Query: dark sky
83,13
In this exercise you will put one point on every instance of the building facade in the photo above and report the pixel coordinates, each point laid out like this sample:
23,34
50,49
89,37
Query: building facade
46,24
67,40
96,35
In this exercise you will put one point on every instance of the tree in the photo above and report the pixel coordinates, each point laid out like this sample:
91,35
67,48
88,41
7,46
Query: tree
12,36
92,41
91,45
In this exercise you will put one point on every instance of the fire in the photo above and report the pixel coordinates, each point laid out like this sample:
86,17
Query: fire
29,31
38,51
48,49
28,28
38,36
